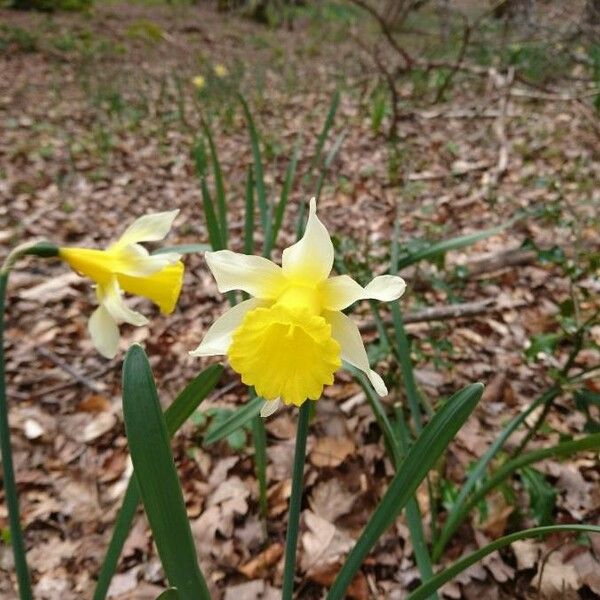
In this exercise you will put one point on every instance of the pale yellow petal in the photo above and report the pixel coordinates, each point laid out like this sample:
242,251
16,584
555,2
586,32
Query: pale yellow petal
218,338
110,296
149,228
270,407
104,332
310,260
255,275
340,292
345,331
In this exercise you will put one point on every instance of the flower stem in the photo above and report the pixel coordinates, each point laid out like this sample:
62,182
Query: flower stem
10,486
43,249
295,503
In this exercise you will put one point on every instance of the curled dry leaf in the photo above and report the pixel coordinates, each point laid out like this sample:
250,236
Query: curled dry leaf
330,500
260,564
331,451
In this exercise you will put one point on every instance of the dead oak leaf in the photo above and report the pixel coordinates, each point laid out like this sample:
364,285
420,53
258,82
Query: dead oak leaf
260,564
331,451
330,500
323,543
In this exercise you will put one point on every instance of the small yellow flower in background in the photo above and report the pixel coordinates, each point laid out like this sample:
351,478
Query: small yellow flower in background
221,71
289,339
199,82
127,266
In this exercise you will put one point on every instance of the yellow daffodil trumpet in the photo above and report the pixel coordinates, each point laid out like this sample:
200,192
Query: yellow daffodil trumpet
126,266
290,338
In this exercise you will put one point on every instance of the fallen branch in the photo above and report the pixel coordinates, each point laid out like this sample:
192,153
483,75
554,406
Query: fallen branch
452,311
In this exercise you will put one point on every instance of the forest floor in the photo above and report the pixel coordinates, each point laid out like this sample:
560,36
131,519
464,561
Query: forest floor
98,117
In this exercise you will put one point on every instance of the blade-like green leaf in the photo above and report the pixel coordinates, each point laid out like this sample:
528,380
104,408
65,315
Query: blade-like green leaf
436,249
397,445
590,442
249,215
183,249
328,161
457,513
177,413
440,579
239,418
219,185
259,177
157,478
335,101
214,232
427,448
170,594
285,192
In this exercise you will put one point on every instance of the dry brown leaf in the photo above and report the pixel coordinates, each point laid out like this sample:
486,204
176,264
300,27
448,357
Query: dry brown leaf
323,543
330,499
260,564
358,588
331,451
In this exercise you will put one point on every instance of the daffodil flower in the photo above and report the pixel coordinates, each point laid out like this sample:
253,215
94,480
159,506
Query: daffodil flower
127,266
221,71
199,82
289,339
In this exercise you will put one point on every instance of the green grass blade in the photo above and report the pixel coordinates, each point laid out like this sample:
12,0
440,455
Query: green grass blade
249,215
283,198
456,513
170,594
175,416
157,478
259,177
239,418
439,248
9,482
335,101
397,449
428,447
183,249
448,574
329,161
219,185
590,442
214,233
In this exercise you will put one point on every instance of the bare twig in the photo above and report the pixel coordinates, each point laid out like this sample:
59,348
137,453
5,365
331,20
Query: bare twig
452,311
78,377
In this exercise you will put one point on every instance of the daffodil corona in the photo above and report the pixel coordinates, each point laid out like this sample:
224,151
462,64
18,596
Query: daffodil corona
289,339
127,266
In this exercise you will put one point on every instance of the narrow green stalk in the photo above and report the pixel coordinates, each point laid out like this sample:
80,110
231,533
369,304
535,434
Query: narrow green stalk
10,485
42,249
291,539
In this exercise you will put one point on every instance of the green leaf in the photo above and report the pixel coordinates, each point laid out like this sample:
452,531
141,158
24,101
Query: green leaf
238,419
591,442
543,343
422,592
214,233
259,177
170,594
542,496
219,186
335,101
249,215
456,513
285,192
184,249
435,250
422,455
157,478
